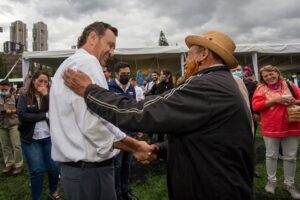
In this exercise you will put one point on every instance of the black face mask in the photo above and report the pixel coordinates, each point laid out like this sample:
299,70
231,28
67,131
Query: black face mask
124,79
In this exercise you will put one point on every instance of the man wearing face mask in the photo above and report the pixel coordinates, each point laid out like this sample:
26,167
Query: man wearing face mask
9,134
250,86
121,86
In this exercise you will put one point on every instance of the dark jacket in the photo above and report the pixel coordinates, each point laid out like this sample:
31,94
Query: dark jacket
114,87
210,149
8,120
251,86
130,93
293,80
28,116
160,88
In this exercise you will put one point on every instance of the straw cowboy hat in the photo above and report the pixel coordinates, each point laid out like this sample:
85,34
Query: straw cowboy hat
218,42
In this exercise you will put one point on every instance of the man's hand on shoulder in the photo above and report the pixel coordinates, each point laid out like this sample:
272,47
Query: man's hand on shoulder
77,81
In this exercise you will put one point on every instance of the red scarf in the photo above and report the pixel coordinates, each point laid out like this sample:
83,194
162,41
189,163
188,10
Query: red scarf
275,86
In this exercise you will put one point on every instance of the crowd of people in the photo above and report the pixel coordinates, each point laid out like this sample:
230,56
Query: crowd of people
83,126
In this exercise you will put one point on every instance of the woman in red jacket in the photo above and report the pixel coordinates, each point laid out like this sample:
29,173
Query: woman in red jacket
271,99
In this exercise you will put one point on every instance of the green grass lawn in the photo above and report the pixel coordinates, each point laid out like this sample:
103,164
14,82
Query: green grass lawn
149,182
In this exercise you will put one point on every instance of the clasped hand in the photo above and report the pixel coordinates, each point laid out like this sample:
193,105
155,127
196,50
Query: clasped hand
145,153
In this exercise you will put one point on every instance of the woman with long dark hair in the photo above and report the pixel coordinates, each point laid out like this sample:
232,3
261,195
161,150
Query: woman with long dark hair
32,110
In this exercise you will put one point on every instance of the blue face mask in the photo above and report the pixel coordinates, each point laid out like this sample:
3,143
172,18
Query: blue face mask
4,93
237,74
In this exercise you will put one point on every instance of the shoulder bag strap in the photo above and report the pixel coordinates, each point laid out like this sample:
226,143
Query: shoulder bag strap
291,89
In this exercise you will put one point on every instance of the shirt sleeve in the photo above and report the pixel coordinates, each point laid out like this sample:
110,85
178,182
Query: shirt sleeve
258,100
94,128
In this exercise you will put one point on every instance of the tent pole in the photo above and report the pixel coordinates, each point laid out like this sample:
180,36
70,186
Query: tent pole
255,65
12,68
182,64
135,63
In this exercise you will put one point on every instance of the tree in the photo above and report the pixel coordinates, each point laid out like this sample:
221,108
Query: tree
162,41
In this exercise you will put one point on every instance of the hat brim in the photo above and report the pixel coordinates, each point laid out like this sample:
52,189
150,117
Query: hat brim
228,58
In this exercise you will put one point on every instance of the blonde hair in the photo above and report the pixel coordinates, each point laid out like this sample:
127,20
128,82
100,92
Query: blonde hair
269,68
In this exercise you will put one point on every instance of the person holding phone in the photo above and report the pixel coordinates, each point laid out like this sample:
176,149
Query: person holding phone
9,135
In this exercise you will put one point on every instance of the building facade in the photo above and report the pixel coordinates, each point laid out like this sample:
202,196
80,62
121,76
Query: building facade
18,34
13,48
40,37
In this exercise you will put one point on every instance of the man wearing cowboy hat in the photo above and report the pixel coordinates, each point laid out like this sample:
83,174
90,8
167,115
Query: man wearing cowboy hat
210,147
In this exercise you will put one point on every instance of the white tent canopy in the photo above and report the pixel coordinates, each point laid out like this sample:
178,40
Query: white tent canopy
268,48
287,56
55,58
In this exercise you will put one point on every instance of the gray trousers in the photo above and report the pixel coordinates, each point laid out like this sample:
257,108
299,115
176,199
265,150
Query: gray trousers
88,183
289,149
11,146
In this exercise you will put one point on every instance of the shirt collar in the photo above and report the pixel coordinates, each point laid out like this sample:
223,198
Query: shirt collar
121,86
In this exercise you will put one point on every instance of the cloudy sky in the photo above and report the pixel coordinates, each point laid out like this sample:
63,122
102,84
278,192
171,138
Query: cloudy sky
140,21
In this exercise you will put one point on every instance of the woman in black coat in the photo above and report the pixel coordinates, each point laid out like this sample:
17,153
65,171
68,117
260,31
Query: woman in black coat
36,144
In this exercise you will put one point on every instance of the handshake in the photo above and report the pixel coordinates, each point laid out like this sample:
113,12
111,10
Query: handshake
145,153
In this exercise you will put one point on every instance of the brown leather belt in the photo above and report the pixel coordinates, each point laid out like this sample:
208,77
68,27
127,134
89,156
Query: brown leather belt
83,164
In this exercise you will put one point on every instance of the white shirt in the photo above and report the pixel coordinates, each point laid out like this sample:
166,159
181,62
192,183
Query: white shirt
122,86
296,82
77,133
41,129
139,93
149,86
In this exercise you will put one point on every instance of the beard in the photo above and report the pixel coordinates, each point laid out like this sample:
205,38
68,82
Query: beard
192,68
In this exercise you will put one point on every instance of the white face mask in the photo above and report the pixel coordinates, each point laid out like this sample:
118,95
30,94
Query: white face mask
4,93
237,74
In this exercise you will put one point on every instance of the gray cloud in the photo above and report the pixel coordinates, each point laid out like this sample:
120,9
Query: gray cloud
6,9
74,9
140,21
20,1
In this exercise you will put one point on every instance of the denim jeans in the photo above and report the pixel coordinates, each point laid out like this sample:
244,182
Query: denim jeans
38,156
122,171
